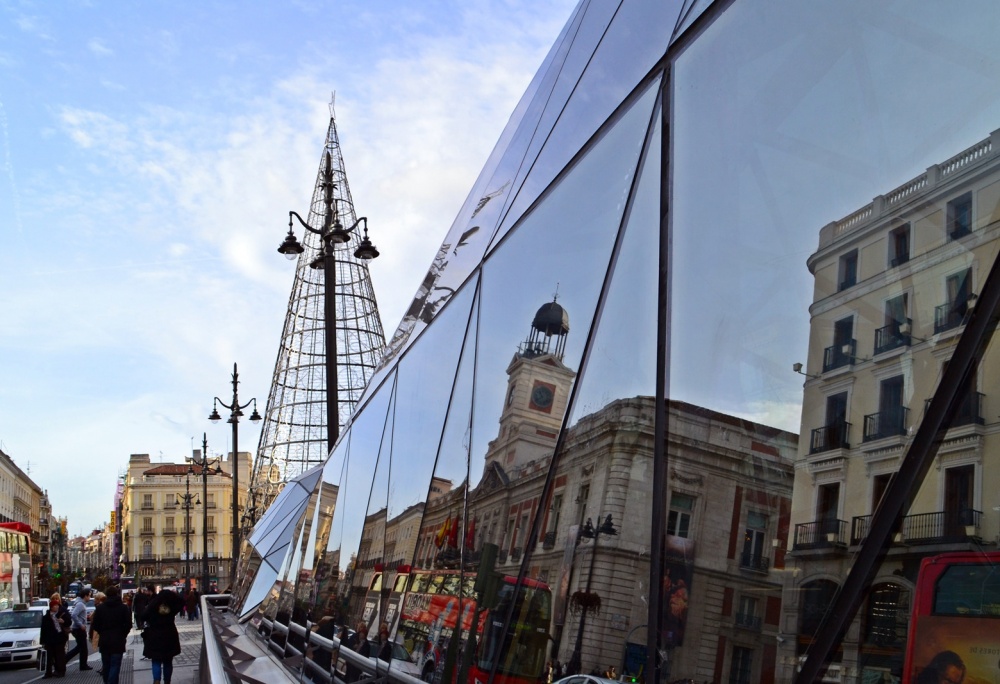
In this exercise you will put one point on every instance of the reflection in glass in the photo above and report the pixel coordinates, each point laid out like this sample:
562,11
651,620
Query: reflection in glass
834,221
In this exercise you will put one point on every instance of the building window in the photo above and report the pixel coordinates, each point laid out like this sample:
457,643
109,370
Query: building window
210,498
891,417
960,216
213,569
211,524
147,525
147,550
168,526
890,336
753,557
841,353
958,291
170,549
834,433
899,245
147,501
739,670
146,572
171,501
848,273
746,615
679,518
888,615
816,598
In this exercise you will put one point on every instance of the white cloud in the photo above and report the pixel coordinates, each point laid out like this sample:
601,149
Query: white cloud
98,48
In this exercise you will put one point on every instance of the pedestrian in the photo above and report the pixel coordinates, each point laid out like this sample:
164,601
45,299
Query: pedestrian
192,604
139,602
384,645
79,629
98,600
358,642
54,635
112,621
160,640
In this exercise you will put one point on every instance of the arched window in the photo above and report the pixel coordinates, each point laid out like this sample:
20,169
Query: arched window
211,548
147,549
816,599
887,615
170,548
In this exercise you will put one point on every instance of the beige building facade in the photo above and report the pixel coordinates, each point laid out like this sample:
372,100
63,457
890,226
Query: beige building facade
894,282
169,520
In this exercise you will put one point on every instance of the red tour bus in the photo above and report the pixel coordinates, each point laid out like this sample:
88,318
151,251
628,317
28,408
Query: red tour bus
15,564
435,601
955,622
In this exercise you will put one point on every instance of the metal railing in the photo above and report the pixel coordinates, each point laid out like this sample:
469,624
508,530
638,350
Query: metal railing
888,337
830,437
927,528
820,534
839,355
949,315
891,423
755,561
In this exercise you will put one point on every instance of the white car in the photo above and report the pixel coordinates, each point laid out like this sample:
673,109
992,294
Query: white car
402,661
20,629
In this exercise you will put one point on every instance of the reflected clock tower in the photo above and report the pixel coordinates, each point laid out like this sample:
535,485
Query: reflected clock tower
538,385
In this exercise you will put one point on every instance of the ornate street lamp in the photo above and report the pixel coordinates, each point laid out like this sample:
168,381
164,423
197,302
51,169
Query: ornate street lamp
235,411
588,531
188,504
331,234
203,465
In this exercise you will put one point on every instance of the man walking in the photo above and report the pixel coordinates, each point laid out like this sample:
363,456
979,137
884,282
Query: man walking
79,628
112,622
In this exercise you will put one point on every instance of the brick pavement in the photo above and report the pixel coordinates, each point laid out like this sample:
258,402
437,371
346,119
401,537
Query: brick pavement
135,670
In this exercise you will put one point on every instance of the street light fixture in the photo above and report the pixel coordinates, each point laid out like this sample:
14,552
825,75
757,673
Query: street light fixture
188,504
588,531
331,234
235,411
205,472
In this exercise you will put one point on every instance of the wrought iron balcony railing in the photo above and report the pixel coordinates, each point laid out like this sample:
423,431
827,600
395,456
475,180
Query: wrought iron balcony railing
889,337
755,561
938,527
830,437
820,534
839,355
891,423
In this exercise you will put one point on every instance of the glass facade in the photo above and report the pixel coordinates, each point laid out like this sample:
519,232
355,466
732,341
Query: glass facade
701,368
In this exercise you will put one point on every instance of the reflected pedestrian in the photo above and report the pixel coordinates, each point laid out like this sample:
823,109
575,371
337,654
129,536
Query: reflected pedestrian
384,645
359,644
112,621
79,629
160,640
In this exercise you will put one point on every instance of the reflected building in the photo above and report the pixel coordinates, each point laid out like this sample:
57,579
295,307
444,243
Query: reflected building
730,504
894,282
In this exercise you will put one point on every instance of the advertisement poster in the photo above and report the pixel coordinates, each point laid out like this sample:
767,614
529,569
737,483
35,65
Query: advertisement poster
948,646
677,574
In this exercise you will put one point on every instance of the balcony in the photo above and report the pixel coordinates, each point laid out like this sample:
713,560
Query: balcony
755,562
839,355
949,315
170,531
830,437
891,423
515,555
820,534
147,532
147,506
940,527
969,411
549,541
748,621
889,337
211,530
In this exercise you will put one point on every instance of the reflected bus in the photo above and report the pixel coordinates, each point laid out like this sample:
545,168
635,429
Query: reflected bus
15,564
955,620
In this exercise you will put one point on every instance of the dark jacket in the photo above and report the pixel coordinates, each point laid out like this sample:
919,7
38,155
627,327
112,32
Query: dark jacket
139,602
112,620
160,640
52,635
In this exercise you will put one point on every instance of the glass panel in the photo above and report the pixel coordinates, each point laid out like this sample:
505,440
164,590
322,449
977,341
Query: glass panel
803,139
628,45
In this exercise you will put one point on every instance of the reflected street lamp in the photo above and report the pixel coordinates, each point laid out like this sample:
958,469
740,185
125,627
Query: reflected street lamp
188,504
589,532
205,472
331,234
235,411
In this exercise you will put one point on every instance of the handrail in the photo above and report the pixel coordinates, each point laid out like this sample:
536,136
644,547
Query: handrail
212,658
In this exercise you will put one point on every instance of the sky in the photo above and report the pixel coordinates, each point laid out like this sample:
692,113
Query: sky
149,155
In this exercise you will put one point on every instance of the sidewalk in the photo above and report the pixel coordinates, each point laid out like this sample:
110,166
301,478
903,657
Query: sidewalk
139,671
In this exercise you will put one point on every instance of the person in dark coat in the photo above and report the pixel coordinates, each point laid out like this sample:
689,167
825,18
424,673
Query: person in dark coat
54,635
384,645
112,621
358,642
160,640
191,601
139,603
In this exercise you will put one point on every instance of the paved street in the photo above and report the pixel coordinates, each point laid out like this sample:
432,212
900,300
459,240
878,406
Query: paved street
134,668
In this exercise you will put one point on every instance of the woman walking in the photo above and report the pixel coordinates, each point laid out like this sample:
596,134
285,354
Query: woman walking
54,635
112,622
160,640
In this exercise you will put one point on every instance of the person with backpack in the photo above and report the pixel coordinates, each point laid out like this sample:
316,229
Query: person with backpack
161,642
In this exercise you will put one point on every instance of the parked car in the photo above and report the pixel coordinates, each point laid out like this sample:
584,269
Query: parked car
20,629
402,661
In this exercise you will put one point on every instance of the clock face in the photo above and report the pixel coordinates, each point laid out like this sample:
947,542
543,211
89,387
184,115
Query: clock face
541,396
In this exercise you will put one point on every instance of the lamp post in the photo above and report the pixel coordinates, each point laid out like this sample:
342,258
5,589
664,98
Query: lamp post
205,472
589,532
331,234
235,411
188,504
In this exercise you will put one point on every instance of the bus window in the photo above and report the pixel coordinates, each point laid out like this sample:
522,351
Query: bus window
435,584
469,587
968,590
451,585
421,580
376,582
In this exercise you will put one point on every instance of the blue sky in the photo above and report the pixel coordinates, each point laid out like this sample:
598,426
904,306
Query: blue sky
149,154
